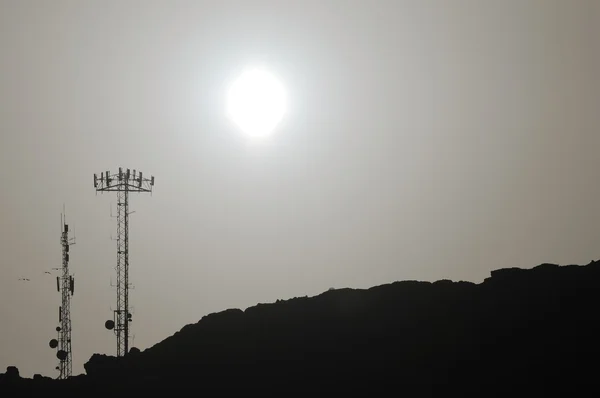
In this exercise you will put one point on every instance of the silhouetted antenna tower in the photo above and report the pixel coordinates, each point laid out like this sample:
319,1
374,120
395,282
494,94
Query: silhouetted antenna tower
65,284
122,182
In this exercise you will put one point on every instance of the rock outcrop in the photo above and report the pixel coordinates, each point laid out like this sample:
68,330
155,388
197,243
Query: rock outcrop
519,327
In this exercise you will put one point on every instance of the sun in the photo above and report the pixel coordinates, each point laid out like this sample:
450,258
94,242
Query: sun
256,102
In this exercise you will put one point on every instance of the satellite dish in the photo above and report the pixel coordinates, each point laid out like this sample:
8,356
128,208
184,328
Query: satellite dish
58,328
109,324
53,343
61,354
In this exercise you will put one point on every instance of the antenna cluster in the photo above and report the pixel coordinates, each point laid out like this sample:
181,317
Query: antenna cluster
123,182
65,284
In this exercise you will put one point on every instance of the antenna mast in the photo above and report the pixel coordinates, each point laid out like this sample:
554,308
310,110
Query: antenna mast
123,183
65,284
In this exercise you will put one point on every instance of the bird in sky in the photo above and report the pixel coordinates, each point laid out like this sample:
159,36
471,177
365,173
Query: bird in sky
24,279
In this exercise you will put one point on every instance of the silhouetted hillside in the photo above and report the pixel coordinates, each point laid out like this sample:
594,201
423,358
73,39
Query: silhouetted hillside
518,327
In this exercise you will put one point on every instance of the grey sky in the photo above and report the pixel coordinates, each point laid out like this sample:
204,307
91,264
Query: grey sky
426,139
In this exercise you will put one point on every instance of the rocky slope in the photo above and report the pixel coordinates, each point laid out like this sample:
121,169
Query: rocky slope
520,327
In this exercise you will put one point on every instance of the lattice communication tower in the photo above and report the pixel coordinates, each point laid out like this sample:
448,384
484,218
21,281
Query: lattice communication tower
65,284
123,183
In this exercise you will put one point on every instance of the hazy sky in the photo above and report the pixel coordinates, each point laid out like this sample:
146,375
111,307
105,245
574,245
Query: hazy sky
425,139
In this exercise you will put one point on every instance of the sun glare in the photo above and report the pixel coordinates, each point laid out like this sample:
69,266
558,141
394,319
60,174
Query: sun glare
256,102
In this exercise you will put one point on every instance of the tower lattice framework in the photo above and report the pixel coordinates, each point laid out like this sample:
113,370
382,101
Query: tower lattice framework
123,183
65,284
